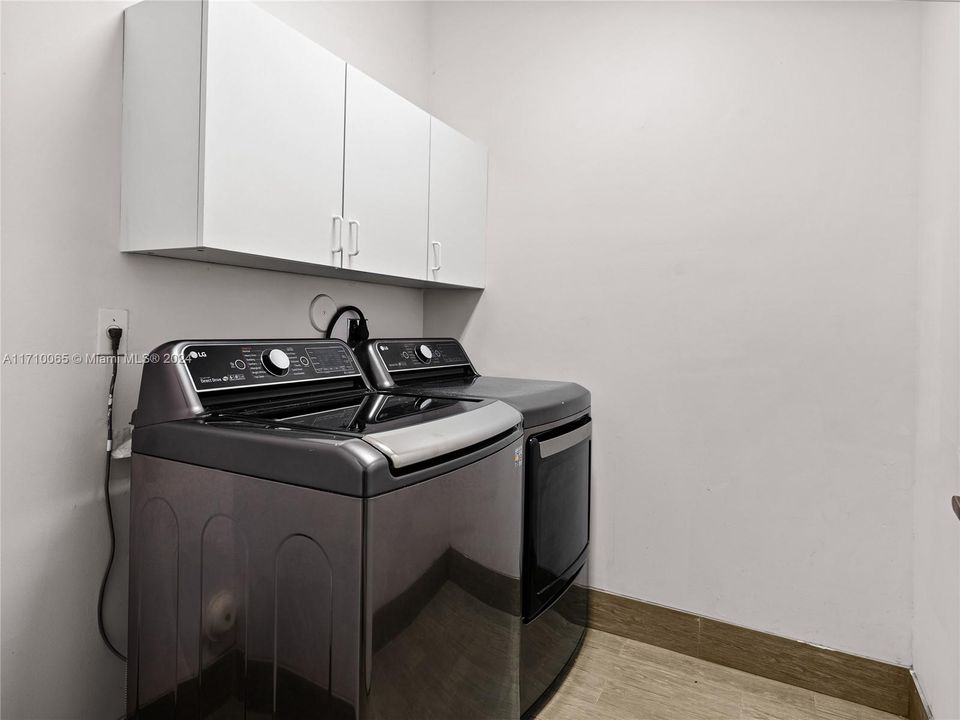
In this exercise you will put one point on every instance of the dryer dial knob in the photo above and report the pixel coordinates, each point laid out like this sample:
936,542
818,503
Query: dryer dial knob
424,353
275,362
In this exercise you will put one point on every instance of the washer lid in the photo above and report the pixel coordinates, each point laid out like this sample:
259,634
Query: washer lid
407,429
414,444
355,414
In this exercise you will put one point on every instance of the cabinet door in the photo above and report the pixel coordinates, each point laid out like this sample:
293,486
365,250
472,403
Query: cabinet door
458,207
386,177
273,142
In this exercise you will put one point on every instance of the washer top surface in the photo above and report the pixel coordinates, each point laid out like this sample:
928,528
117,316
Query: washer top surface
302,412
408,429
357,415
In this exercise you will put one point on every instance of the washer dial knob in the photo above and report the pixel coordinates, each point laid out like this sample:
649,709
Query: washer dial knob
275,362
424,353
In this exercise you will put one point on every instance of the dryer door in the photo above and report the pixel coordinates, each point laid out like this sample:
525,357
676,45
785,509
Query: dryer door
557,512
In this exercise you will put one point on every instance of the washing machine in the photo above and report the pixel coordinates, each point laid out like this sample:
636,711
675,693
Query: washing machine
304,546
557,449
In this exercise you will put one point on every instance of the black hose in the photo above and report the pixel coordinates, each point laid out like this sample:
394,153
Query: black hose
341,311
358,331
106,494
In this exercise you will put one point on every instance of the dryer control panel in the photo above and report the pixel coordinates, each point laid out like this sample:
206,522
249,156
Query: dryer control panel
220,366
400,355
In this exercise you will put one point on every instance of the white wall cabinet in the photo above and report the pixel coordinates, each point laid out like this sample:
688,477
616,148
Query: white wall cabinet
386,180
223,147
246,143
458,207
273,139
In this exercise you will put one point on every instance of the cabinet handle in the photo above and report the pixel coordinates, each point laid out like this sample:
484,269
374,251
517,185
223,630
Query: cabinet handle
356,235
338,229
955,504
438,253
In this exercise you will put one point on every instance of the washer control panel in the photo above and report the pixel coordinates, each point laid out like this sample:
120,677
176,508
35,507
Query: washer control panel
400,355
228,365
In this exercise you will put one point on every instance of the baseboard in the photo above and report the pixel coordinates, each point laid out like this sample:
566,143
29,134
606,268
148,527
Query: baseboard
861,680
918,709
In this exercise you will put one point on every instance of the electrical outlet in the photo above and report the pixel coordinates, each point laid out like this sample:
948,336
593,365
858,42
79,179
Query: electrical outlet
108,318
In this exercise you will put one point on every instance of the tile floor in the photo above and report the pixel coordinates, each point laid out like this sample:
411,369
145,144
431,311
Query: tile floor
619,679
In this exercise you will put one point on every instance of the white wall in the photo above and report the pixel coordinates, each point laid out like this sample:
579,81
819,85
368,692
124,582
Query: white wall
706,213
387,40
60,179
936,589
